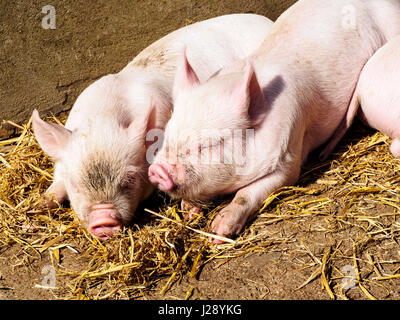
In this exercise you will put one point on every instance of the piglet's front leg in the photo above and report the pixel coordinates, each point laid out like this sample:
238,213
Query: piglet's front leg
231,219
189,209
55,194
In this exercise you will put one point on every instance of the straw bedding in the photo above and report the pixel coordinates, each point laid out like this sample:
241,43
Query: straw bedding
353,198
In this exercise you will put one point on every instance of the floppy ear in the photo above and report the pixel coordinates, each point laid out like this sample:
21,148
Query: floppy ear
248,97
142,124
52,137
185,77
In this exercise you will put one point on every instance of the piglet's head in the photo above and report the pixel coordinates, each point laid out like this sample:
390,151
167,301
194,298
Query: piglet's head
103,167
209,135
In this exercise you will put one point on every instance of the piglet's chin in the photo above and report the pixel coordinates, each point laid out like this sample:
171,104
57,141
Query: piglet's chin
102,221
159,175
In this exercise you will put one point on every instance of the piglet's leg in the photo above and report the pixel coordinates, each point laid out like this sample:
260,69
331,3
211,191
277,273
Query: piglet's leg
55,194
189,210
395,147
343,126
231,219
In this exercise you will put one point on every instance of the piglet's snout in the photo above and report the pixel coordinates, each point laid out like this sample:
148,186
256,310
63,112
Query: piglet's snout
103,222
159,174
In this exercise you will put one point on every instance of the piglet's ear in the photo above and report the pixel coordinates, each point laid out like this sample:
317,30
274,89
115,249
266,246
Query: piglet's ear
52,137
185,77
142,124
248,97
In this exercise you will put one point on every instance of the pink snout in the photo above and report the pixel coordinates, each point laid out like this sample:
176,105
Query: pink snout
103,222
159,175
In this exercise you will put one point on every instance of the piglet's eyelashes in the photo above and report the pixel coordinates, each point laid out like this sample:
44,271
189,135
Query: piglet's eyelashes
211,143
200,147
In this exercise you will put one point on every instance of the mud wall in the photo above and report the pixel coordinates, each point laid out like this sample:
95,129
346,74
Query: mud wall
45,62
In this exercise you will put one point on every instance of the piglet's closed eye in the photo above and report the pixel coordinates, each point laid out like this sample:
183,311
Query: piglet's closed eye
129,178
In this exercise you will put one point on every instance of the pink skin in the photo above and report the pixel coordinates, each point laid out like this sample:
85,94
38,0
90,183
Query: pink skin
159,175
102,221
376,99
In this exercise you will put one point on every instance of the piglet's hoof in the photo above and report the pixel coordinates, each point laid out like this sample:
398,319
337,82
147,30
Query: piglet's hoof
189,209
229,222
49,201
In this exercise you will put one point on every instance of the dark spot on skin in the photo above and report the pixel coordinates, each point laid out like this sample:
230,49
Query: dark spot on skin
157,58
142,62
241,201
101,179
191,175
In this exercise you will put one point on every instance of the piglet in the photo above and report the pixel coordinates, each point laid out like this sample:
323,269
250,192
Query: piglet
377,97
100,155
248,129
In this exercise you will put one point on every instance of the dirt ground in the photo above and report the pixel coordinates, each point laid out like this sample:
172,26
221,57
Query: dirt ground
274,274
48,69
